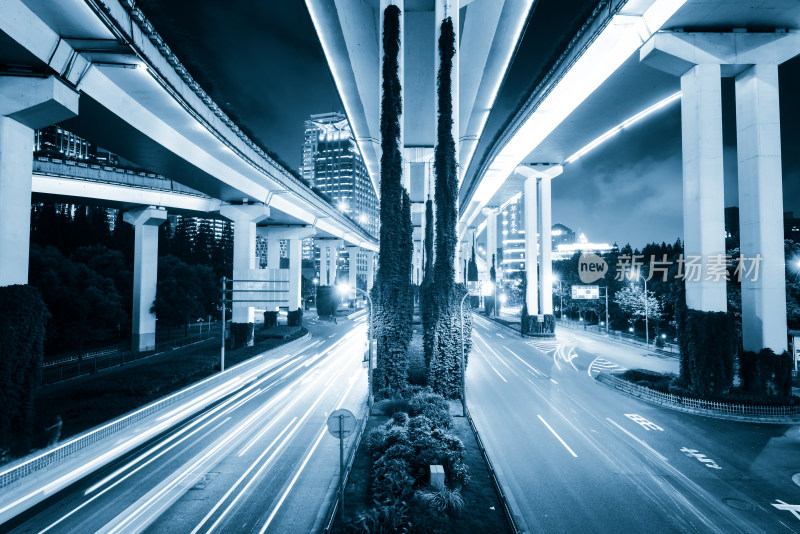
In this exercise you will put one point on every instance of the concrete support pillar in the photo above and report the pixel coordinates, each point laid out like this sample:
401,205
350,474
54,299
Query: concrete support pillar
244,217
546,246
760,216
333,261
531,245
536,195
323,264
145,274
700,59
16,164
26,103
352,266
703,182
295,247
491,239
273,253
370,269
294,236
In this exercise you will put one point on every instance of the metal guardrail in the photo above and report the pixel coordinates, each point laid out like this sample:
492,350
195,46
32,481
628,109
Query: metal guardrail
38,461
72,367
330,516
697,405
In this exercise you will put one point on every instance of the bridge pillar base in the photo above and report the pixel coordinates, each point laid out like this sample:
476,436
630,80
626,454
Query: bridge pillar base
244,217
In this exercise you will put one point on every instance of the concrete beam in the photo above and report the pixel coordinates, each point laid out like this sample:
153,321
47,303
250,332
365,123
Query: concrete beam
676,52
37,102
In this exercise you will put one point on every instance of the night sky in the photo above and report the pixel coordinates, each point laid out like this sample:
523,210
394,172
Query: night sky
263,64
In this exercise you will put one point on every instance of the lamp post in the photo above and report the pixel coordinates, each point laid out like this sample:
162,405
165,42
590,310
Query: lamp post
646,320
344,289
556,280
463,370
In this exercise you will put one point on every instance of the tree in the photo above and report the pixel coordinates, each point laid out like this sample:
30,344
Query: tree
84,305
184,292
635,306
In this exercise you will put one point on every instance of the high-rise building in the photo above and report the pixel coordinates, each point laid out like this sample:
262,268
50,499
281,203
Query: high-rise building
333,164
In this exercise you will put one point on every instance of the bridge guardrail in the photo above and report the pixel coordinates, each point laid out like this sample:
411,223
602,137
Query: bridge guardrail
698,406
26,466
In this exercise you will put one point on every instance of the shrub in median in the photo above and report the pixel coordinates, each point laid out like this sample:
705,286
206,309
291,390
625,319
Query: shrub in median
327,301
709,344
295,318
22,325
766,373
270,319
402,451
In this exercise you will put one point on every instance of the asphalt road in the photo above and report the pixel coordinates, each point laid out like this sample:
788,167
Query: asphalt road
577,456
261,460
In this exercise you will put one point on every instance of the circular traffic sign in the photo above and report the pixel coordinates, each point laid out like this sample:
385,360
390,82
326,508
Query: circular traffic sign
341,423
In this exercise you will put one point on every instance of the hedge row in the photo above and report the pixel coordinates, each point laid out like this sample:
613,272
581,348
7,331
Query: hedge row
709,345
532,326
23,315
766,373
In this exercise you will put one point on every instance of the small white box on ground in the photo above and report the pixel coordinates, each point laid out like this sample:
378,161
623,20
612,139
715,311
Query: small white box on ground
437,476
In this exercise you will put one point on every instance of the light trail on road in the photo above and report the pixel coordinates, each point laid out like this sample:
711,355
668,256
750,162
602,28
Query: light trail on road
236,452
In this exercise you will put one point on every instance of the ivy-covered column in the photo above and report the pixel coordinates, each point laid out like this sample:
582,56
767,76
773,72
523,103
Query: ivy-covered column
443,329
392,295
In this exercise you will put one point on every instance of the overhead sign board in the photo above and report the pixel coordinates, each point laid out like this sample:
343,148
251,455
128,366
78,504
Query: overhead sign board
585,292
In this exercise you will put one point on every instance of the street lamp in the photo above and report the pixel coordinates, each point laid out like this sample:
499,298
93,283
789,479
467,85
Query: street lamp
344,289
638,274
316,283
463,370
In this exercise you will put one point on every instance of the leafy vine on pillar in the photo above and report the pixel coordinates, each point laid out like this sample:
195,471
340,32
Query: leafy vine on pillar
442,335
392,293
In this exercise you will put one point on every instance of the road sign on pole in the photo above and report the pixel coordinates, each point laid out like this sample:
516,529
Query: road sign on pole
341,423
585,292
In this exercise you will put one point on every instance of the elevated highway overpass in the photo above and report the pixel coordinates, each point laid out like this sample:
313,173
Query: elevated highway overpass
630,59
99,69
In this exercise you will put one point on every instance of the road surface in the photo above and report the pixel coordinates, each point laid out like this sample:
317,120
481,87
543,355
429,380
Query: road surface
577,456
260,460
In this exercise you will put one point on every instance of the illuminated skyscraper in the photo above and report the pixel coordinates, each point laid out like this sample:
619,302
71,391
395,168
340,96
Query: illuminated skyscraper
333,164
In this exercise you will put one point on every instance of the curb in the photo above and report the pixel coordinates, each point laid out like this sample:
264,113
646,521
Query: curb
333,507
510,507
607,380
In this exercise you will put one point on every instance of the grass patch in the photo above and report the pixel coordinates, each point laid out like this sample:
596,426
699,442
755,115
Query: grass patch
88,401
